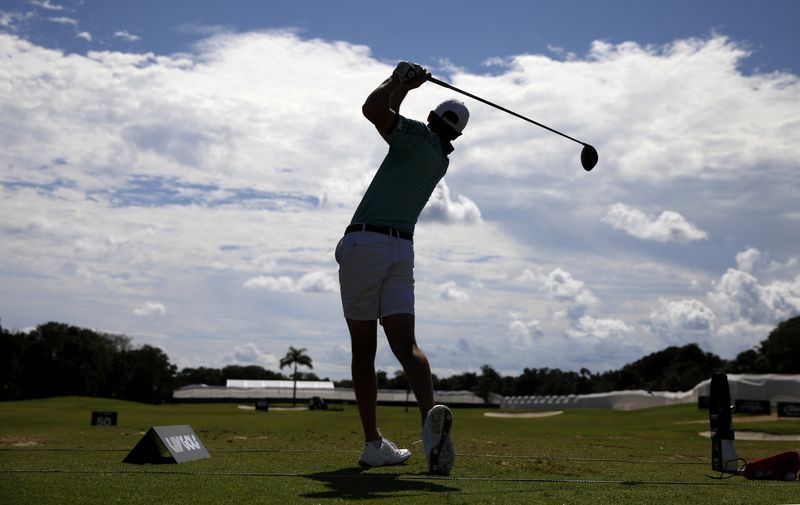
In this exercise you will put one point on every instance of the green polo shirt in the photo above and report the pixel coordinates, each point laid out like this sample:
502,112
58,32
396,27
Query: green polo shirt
405,180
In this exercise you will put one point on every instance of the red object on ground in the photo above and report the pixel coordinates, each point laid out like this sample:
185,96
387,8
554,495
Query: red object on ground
782,466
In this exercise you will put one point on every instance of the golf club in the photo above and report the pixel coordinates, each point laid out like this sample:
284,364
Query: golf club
588,154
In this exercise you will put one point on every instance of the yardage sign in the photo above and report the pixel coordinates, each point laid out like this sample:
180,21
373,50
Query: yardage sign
104,418
168,444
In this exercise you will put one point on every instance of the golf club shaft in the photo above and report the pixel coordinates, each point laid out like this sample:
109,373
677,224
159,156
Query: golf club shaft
487,102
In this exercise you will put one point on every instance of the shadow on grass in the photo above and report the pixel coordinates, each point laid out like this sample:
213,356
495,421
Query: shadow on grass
355,483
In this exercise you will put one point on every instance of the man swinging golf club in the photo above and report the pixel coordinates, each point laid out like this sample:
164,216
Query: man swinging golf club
376,262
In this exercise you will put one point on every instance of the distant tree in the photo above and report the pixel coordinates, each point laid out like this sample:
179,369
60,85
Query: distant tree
60,359
466,381
57,359
249,372
12,373
781,349
381,379
398,381
295,357
750,361
344,383
146,375
308,376
585,382
201,375
489,381
673,369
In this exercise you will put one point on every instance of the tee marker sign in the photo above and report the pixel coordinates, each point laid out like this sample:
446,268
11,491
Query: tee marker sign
167,444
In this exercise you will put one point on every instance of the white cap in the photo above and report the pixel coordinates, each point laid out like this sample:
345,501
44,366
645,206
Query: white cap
456,107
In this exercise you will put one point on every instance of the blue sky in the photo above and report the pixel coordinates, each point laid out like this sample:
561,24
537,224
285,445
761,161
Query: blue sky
467,34
180,172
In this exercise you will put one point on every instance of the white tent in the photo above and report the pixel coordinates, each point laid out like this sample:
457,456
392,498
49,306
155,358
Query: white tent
772,387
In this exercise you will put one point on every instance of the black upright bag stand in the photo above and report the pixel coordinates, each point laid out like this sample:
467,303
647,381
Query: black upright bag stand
723,454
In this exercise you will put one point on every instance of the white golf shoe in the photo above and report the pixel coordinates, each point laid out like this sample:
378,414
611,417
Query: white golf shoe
439,452
386,454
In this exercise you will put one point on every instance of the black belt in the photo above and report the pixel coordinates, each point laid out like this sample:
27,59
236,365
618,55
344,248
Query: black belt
379,229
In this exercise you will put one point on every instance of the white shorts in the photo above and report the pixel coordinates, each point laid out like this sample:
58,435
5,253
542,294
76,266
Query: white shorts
376,275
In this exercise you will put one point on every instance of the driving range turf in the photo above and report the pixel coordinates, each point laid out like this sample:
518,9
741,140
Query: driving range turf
49,453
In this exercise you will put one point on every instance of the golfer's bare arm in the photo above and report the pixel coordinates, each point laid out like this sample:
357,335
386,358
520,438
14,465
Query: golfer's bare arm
383,104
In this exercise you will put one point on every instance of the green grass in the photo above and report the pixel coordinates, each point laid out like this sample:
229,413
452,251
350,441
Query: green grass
50,454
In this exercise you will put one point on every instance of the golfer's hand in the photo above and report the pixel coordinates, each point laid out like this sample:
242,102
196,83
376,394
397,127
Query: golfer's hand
411,75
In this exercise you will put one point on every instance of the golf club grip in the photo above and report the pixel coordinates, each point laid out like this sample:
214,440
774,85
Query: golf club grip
487,102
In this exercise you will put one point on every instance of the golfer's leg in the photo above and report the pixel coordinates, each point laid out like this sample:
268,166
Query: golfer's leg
399,330
363,341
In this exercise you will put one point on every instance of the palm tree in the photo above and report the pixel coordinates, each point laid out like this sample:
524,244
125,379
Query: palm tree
296,357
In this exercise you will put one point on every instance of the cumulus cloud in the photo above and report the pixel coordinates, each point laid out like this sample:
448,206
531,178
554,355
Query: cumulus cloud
119,170
742,296
747,260
563,286
150,308
668,226
525,332
590,328
756,262
737,336
250,353
314,282
560,285
451,291
446,208
682,321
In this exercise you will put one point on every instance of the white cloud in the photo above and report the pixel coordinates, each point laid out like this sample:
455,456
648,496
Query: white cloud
314,282
747,260
754,261
150,308
742,296
443,207
525,333
271,283
63,20
46,4
559,285
127,177
85,36
13,21
562,286
317,282
451,291
740,335
126,35
250,353
681,322
588,328
669,226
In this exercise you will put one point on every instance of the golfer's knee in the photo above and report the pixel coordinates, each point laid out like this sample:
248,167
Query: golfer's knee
404,355
409,355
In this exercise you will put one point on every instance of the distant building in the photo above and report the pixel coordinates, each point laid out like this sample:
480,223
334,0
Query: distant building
281,391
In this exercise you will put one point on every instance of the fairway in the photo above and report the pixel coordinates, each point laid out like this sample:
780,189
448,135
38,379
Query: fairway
49,453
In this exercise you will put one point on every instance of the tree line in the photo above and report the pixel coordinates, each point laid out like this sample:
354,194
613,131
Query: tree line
57,359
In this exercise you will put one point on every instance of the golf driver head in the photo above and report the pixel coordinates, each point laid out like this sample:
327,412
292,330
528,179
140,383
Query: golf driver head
588,157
